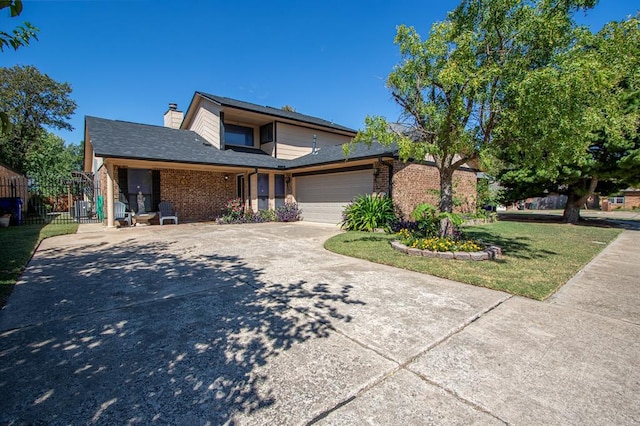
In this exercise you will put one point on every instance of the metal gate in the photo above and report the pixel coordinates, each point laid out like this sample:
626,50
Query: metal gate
74,199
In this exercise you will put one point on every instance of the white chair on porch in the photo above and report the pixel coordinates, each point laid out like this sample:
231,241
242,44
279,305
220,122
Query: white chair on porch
121,213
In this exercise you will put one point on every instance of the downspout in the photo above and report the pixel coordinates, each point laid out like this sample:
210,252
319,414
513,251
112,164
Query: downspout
222,141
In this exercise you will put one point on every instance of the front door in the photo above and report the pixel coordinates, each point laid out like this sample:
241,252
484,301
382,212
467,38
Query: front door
263,191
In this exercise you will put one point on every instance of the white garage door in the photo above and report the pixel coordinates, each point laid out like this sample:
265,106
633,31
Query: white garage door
323,197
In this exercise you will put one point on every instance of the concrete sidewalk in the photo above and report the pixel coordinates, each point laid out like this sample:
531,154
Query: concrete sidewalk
258,324
571,360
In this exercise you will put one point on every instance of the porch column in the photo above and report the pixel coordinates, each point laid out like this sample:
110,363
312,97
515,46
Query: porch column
110,203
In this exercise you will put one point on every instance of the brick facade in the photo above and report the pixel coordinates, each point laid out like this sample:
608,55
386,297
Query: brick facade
420,183
631,199
201,195
196,195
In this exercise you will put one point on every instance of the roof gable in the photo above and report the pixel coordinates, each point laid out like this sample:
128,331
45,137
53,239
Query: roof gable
273,112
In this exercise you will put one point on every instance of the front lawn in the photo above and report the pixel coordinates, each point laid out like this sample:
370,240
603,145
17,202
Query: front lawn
17,244
538,258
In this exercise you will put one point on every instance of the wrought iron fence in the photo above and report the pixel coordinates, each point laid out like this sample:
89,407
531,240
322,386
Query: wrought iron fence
68,200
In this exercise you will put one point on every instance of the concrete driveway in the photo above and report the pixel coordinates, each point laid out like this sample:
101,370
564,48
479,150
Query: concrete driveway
258,324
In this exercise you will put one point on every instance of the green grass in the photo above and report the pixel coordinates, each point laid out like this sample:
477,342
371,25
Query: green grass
538,258
17,244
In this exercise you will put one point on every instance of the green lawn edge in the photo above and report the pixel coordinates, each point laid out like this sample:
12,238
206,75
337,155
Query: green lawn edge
17,245
538,258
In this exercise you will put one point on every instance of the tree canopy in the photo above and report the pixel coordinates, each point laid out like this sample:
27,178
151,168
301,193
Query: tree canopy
50,161
455,87
22,34
575,125
33,102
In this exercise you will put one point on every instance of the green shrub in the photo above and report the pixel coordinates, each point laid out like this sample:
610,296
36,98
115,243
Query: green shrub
428,219
369,212
267,215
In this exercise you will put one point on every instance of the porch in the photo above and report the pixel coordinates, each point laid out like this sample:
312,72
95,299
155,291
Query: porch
199,193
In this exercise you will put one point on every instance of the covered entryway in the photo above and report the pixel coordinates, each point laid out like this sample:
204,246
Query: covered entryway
323,197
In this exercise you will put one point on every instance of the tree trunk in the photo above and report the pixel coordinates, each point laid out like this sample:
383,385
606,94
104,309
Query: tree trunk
446,228
571,213
446,190
446,202
577,196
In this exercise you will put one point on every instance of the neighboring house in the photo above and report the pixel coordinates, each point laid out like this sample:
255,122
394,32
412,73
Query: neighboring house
629,200
223,148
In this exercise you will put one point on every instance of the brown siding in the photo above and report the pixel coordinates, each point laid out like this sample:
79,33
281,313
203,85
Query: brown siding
7,173
296,141
206,123
419,183
13,184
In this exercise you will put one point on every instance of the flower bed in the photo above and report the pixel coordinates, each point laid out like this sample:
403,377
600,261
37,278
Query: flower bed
235,213
488,253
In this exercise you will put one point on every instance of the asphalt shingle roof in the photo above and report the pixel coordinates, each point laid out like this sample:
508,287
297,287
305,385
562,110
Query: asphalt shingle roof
276,112
335,154
122,139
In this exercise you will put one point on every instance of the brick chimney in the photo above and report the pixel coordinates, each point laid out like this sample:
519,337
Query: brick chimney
173,118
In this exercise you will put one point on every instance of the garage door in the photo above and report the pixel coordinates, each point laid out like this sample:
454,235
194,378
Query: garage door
323,197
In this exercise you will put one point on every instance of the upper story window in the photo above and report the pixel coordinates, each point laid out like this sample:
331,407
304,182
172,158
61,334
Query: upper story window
238,135
266,133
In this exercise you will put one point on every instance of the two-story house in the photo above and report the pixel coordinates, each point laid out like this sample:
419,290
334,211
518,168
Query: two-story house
222,148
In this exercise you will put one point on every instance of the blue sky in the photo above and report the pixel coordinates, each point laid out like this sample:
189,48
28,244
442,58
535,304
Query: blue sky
127,60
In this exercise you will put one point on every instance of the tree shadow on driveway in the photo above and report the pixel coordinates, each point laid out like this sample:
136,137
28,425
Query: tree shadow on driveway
138,332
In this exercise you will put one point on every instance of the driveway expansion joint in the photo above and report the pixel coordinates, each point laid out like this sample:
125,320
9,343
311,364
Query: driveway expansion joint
405,366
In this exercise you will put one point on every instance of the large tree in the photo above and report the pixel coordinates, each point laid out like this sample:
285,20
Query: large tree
33,102
50,161
18,37
454,87
581,118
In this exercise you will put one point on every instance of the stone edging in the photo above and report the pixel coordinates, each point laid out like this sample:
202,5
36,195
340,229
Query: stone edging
490,253
478,221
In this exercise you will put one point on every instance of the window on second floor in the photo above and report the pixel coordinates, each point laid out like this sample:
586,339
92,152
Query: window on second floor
238,135
266,133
